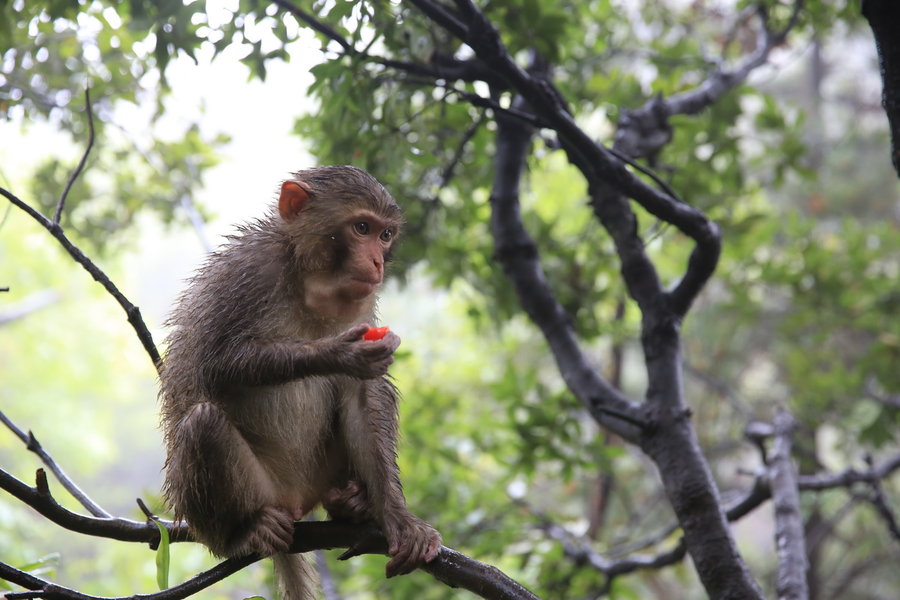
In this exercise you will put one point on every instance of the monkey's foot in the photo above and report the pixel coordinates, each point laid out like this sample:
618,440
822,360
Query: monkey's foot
270,532
411,543
350,503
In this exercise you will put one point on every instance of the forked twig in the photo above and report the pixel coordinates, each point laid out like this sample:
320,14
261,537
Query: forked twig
62,199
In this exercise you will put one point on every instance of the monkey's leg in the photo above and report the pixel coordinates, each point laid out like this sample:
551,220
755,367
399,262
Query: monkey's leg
370,433
216,482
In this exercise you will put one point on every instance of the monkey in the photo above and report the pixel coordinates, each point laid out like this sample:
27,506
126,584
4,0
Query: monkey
271,401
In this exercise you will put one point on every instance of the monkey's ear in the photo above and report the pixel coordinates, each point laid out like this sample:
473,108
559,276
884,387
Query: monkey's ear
294,195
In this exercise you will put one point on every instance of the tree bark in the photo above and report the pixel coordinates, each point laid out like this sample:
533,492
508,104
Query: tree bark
884,19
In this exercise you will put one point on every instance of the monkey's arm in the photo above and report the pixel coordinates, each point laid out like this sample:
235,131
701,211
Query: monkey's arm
254,362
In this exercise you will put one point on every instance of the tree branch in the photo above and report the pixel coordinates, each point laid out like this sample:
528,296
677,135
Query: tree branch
132,312
517,253
880,502
721,81
883,16
789,534
316,24
450,567
40,499
50,591
579,550
34,445
81,163
597,163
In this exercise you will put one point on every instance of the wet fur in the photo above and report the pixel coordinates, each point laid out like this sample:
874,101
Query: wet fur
259,427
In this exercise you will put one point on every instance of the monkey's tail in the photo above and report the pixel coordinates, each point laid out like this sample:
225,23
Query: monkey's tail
296,577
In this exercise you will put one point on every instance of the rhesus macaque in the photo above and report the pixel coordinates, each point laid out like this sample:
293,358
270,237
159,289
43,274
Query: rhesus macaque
272,402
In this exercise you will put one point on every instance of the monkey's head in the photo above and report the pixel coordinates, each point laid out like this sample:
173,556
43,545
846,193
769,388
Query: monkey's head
342,225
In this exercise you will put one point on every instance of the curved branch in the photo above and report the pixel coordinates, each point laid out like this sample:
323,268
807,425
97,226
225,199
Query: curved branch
599,165
720,82
133,312
517,253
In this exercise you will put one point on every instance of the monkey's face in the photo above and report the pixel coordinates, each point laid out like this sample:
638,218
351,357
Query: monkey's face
362,247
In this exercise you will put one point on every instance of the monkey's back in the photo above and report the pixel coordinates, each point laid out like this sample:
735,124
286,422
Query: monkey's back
226,301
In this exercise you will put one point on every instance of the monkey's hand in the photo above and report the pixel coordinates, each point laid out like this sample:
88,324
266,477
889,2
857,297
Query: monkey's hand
363,359
411,543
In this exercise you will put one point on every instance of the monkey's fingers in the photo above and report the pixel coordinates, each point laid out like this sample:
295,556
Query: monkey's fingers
356,332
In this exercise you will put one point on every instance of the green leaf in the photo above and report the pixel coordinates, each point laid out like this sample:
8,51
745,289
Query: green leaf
162,558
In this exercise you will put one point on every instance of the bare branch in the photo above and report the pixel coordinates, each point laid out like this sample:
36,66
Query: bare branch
596,162
133,312
81,163
721,81
789,537
316,24
27,306
579,549
33,445
848,477
50,591
880,502
40,499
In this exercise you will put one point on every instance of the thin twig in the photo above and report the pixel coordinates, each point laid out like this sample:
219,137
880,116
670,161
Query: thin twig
34,445
50,591
132,312
81,163
41,500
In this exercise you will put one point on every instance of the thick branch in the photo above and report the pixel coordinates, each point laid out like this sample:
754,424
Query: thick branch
450,567
789,536
545,101
132,311
883,16
518,254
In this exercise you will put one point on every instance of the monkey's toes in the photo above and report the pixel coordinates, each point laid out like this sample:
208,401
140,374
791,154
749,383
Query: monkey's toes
271,532
348,503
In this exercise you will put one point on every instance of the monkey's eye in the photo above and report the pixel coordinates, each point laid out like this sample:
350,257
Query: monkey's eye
387,235
362,228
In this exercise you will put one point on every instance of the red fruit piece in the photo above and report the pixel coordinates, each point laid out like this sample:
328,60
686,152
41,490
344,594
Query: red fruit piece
376,333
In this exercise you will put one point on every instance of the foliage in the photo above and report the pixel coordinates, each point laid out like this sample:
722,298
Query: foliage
803,312
51,52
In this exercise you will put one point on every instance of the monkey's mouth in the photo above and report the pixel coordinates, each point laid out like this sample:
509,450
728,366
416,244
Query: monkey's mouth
361,288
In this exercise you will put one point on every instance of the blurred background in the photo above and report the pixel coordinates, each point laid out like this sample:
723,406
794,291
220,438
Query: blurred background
203,108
